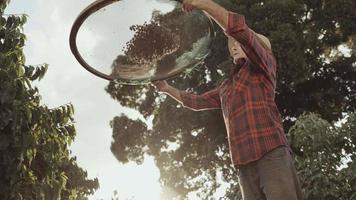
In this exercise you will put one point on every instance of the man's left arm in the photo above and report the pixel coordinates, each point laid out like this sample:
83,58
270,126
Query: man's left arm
255,48
234,25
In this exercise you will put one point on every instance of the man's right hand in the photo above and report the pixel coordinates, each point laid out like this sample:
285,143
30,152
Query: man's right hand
161,85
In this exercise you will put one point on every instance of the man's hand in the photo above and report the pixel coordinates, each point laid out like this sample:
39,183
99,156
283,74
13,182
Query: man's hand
212,9
161,85
189,5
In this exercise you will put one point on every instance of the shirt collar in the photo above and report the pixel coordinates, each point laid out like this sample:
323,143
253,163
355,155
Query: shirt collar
241,62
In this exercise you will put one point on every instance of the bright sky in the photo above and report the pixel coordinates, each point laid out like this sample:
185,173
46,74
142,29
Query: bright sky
66,81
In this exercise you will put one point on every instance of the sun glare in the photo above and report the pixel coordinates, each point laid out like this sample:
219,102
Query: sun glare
140,182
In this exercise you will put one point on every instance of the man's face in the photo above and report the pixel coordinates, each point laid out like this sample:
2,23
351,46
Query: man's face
235,50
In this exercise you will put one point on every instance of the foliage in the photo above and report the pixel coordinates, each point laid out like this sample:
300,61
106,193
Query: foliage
327,163
35,161
314,75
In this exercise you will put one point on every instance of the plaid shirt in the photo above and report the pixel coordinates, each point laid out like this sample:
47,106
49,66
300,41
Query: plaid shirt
252,119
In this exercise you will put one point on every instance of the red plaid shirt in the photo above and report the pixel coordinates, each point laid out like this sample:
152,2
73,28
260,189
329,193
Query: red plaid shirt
252,119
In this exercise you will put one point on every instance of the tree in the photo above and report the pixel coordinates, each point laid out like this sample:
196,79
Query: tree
35,161
314,75
327,163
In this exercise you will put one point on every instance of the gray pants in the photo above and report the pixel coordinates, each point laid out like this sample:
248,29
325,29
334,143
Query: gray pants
273,177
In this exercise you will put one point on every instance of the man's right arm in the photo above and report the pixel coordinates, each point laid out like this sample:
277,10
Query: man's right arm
207,101
164,87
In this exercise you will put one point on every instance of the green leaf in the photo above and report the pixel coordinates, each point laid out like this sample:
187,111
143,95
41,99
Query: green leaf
34,142
20,71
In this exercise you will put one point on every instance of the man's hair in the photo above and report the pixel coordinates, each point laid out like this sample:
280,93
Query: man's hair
264,40
261,38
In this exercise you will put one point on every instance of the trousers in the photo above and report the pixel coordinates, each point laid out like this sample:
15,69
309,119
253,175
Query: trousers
273,177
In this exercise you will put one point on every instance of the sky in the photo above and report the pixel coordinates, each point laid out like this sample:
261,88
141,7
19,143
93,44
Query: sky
47,31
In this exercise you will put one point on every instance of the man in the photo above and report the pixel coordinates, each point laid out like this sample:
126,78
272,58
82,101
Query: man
258,147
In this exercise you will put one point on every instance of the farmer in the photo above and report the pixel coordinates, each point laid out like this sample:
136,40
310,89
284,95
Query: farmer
258,146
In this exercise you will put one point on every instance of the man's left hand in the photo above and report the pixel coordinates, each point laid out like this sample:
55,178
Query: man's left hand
189,5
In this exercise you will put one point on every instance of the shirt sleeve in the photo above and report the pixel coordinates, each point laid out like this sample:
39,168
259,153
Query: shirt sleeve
206,101
262,58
